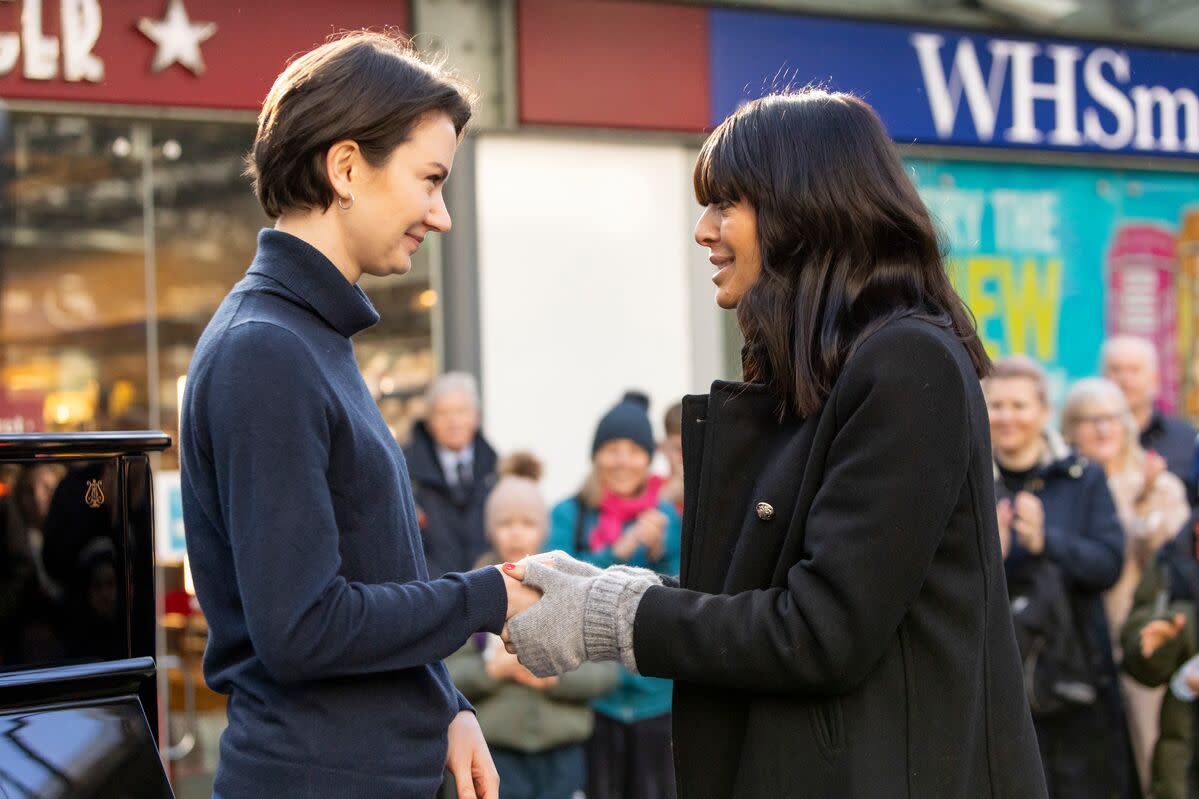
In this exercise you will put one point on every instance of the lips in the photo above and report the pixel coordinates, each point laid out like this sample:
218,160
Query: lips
415,239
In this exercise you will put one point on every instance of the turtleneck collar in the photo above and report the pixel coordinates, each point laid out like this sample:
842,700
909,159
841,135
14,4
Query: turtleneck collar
306,272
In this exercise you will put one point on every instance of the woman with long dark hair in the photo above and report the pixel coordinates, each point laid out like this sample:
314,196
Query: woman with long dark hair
840,625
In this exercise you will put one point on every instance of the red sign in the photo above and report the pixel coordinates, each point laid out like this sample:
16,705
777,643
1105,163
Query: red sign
613,63
210,54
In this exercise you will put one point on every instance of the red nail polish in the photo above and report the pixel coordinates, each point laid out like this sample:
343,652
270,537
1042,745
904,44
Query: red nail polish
509,566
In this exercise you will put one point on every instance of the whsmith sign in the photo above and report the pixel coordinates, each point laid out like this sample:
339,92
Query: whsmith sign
937,86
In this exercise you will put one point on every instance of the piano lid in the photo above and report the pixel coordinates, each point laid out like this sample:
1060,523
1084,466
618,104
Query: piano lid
18,446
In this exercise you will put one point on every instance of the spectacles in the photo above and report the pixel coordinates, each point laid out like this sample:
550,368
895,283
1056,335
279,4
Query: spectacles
1099,420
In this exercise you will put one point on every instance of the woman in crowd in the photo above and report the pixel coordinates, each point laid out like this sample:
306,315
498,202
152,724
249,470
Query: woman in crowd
1058,527
620,517
1152,506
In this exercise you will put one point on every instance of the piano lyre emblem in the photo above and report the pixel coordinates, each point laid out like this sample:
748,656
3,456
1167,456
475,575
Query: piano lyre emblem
95,494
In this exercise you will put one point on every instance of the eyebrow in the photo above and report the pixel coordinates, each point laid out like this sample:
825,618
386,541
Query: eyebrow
444,170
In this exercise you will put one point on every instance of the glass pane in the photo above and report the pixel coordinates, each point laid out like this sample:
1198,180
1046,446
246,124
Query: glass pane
206,220
72,317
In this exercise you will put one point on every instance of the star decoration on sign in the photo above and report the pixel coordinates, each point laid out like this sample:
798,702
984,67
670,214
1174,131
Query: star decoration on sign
177,37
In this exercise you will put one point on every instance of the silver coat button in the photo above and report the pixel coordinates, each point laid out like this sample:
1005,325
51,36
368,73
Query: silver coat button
765,511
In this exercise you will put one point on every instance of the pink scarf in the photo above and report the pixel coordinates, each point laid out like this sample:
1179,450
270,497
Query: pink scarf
616,511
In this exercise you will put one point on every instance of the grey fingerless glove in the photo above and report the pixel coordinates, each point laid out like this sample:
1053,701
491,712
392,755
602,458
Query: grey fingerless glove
564,562
579,618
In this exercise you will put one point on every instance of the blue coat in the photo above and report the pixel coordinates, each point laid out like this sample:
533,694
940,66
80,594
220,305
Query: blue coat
635,698
1085,754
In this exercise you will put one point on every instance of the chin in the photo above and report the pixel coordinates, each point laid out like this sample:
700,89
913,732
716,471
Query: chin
726,301
395,267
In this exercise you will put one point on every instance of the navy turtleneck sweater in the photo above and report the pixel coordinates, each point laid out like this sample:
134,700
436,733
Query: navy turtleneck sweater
325,630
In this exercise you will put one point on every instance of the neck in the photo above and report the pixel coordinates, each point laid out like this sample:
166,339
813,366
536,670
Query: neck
318,229
1115,465
1143,414
1020,460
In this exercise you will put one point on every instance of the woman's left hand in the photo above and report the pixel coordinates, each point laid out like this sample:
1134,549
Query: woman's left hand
470,761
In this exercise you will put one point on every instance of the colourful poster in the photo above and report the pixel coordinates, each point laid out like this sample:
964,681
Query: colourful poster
1051,260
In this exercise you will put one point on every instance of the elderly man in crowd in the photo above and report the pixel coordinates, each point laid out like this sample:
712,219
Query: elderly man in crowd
1132,364
453,470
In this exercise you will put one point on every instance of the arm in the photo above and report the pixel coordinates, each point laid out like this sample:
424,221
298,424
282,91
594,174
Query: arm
894,473
1158,668
1092,556
271,456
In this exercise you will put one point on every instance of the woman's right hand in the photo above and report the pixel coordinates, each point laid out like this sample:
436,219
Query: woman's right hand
1158,632
520,596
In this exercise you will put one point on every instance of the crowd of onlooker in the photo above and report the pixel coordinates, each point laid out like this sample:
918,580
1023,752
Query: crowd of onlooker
1094,495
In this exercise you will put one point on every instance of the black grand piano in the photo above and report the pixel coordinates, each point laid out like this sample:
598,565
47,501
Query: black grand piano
78,695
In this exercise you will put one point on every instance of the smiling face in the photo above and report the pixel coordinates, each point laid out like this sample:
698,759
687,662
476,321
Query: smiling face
622,467
1018,415
397,203
730,232
1099,431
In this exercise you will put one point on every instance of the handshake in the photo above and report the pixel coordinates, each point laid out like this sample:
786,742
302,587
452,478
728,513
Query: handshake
563,612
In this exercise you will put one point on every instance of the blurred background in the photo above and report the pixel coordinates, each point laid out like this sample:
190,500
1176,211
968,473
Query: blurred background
1055,141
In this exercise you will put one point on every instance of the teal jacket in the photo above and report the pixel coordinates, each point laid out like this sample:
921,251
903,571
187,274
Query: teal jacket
635,698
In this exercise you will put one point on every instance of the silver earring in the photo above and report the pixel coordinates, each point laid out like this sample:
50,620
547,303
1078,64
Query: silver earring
346,207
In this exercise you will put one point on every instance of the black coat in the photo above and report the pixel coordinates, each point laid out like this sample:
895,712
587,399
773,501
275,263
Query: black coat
1173,438
1085,753
853,640
451,524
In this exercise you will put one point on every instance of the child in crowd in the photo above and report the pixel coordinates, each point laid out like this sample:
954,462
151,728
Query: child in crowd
672,448
534,727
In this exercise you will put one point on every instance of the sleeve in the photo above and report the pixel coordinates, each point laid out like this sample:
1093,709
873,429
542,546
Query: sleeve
269,423
893,475
1156,670
1091,556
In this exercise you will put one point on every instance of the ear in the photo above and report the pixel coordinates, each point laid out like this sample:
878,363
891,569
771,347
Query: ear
343,161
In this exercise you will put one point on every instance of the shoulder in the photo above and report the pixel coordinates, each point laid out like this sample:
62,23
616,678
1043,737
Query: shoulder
908,336
1177,426
906,356
566,509
1073,471
258,351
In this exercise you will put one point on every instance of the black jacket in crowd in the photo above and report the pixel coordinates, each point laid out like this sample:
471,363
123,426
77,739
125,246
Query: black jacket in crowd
1086,752
451,523
842,630
1174,439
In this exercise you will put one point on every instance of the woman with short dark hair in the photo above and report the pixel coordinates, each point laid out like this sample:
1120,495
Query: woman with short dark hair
840,628
325,630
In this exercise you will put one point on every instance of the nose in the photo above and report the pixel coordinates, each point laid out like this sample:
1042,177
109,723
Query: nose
707,228
438,218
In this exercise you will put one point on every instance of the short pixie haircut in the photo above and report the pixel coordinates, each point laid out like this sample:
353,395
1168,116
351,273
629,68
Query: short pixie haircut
372,88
